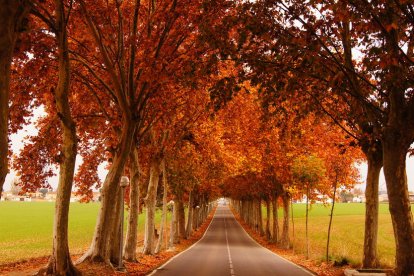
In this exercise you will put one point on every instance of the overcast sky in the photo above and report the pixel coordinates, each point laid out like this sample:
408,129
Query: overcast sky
410,175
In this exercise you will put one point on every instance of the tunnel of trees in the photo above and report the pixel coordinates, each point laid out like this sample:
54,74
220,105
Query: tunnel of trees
261,101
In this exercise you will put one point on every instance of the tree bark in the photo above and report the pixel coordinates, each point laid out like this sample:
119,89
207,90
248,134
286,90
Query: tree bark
260,217
150,202
370,254
115,256
181,218
174,227
12,15
196,201
395,151
293,224
132,228
307,220
189,228
100,249
60,262
330,217
164,209
268,234
284,239
275,218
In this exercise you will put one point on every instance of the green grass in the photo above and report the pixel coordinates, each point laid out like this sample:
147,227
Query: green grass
347,236
26,228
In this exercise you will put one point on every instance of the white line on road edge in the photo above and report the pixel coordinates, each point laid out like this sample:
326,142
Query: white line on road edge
247,234
228,250
170,260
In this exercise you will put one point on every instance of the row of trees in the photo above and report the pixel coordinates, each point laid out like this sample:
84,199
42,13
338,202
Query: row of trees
353,60
147,87
118,83
311,158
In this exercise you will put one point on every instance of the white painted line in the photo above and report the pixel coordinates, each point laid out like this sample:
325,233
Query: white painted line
170,260
247,234
228,250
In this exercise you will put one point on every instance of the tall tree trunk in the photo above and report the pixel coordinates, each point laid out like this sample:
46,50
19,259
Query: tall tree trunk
284,239
395,152
189,228
196,201
307,220
100,249
174,227
132,228
370,257
250,214
275,218
268,234
12,14
115,246
293,224
260,217
150,202
330,217
60,262
181,218
164,209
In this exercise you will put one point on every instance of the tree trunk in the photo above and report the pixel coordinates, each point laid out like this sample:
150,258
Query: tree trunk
395,151
181,218
60,262
174,226
150,202
164,209
100,249
250,216
12,14
307,220
132,228
196,201
260,217
330,217
370,259
284,240
195,218
293,225
268,235
115,256
275,218
189,228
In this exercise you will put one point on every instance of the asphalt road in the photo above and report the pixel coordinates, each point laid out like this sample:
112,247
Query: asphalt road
226,249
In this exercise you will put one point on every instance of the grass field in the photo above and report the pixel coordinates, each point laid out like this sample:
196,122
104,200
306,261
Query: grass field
347,236
26,228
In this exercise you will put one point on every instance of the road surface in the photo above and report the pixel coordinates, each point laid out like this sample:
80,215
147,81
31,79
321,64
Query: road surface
226,249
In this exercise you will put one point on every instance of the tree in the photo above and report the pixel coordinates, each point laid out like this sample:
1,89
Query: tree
317,49
60,262
309,171
13,21
153,48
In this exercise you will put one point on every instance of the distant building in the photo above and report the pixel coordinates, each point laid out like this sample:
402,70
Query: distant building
357,199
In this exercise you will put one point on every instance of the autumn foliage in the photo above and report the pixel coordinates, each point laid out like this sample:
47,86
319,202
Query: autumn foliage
263,102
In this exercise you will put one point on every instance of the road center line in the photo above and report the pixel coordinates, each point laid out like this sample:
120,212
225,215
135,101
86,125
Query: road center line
228,250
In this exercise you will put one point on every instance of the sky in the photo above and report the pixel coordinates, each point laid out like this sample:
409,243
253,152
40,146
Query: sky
410,175
17,143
